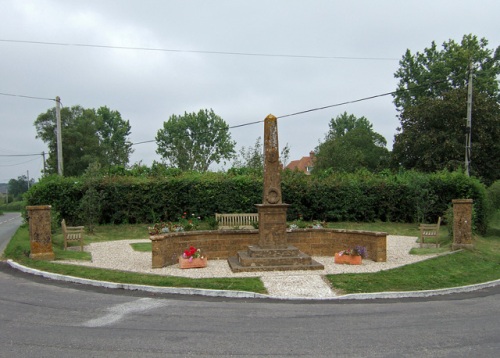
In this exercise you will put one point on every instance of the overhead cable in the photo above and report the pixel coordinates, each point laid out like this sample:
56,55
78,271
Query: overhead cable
24,96
228,53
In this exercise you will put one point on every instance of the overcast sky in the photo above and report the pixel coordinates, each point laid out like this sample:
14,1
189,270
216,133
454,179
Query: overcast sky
335,52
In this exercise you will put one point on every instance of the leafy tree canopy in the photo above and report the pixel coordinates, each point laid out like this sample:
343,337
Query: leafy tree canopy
432,100
17,187
193,141
434,72
88,136
251,159
351,144
433,135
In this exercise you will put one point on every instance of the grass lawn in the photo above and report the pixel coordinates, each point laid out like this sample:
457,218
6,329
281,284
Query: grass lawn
467,267
482,264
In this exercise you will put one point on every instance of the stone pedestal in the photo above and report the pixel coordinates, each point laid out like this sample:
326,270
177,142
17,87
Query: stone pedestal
273,252
272,225
462,224
40,232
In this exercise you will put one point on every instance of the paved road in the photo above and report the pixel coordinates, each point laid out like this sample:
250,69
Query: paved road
43,318
9,223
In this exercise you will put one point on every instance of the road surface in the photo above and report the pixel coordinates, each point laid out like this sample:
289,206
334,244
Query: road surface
44,318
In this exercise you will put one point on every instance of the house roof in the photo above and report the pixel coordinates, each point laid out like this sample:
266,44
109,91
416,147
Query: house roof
302,164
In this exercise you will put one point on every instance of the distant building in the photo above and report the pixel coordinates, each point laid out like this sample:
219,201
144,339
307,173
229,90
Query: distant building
305,164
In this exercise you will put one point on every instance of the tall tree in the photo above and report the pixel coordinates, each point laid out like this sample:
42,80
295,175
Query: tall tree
193,141
433,135
252,158
17,187
351,144
434,72
87,136
431,99
113,132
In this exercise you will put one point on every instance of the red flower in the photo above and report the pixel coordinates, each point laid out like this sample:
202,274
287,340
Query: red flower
191,253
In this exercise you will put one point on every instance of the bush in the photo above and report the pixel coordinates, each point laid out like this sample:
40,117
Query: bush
494,195
13,206
362,197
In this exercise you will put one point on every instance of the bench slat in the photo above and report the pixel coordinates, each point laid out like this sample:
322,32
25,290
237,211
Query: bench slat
429,230
229,221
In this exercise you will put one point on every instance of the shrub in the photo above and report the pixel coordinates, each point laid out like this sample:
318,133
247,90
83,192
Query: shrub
406,197
494,195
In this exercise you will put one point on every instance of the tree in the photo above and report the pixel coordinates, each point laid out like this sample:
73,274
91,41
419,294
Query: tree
113,132
91,202
252,158
432,73
193,141
351,144
87,136
433,135
17,187
432,101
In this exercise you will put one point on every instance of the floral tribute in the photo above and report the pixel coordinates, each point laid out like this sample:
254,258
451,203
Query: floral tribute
356,251
192,253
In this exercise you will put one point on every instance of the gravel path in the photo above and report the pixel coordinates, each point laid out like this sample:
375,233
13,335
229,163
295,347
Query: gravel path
119,255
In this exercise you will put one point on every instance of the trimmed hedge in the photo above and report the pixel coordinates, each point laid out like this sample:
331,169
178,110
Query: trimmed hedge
406,197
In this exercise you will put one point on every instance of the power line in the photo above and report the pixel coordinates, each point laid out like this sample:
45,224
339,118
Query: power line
20,155
231,127
13,165
24,96
297,113
227,53
336,105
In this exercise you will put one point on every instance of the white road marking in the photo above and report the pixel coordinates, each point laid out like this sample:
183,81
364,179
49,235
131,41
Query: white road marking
118,312
12,218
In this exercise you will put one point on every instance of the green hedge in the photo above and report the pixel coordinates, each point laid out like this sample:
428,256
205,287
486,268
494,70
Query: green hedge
406,197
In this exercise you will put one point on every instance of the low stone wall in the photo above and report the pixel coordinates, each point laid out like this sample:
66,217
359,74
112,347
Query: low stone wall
221,244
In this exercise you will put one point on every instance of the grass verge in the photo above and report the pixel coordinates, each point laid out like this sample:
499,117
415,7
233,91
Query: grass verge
467,267
482,264
19,247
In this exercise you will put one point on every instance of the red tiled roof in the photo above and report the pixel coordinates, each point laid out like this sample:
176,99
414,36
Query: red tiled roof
302,164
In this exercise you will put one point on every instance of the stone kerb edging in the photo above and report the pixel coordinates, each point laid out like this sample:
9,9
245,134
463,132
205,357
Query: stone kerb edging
245,294
134,287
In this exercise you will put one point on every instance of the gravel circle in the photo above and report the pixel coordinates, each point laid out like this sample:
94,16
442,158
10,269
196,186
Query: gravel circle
119,255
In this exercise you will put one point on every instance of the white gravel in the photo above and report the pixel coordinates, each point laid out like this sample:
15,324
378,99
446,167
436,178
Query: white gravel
119,255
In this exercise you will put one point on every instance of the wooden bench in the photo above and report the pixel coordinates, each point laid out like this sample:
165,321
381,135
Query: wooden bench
72,233
237,221
429,231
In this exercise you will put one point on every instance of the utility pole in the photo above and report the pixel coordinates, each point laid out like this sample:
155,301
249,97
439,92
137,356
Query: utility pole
59,137
43,154
469,123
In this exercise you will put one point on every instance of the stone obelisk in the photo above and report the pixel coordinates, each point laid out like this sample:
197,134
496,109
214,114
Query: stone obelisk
272,252
272,211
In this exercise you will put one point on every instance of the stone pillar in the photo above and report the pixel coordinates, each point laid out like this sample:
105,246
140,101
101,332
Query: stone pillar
40,232
159,253
272,166
462,224
272,212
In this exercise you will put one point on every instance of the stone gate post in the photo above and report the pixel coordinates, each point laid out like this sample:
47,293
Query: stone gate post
40,232
462,224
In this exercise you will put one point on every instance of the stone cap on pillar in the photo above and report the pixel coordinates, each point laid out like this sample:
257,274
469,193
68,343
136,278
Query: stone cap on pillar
462,201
